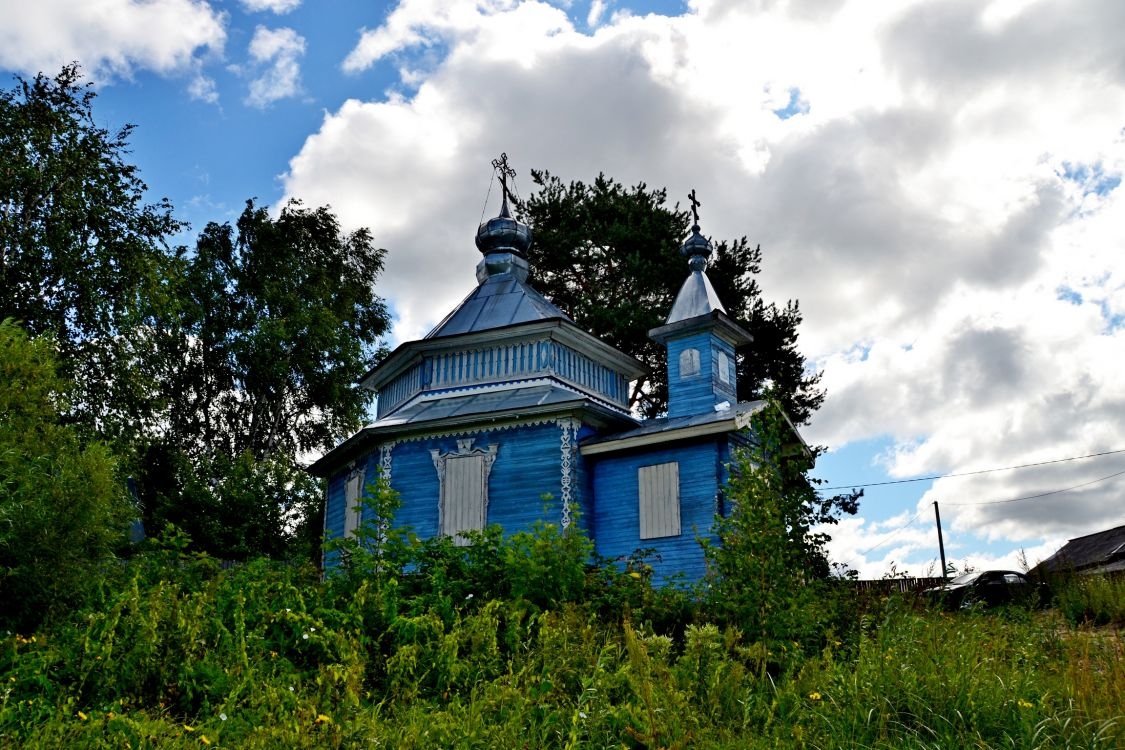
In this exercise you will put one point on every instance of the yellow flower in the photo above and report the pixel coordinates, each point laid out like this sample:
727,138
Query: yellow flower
635,574
322,719
814,696
1024,704
82,716
188,729
204,740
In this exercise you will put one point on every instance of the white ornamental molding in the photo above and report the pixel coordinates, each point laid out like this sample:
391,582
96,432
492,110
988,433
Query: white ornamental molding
568,443
464,449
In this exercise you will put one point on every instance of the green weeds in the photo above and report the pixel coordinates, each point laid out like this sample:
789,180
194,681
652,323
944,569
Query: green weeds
520,642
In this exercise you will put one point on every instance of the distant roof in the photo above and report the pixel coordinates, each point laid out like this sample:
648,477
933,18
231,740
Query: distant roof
1103,551
501,300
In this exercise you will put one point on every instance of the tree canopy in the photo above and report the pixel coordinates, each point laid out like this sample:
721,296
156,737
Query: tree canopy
63,509
212,369
82,255
275,322
610,257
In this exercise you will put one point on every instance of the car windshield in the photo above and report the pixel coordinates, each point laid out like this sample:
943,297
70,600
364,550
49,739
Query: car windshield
965,578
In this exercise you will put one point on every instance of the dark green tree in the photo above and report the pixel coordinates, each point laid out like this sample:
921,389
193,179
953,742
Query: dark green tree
276,321
63,510
767,571
82,255
610,257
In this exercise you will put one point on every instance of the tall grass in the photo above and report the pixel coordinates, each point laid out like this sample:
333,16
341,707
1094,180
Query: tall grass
180,653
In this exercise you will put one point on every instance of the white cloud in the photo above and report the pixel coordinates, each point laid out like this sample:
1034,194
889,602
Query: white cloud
942,204
273,6
279,52
109,38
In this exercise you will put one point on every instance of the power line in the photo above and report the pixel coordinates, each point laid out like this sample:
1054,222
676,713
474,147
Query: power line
895,533
971,473
1042,494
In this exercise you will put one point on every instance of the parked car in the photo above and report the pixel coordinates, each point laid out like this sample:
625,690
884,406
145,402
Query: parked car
990,588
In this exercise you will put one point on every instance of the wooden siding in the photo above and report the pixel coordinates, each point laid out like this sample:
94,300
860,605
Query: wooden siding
658,489
691,392
617,506
400,389
504,363
527,466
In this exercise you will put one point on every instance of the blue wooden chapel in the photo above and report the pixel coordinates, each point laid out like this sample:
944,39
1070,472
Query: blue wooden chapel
507,401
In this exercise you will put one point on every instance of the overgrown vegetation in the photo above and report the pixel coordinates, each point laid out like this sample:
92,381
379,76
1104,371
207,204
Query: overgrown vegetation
423,644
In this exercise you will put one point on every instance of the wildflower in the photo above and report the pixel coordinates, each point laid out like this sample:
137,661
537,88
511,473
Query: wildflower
581,714
111,715
470,596
635,574
222,717
204,740
290,688
814,696
322,719
1024,704
304,636
82,716
312,629
188,728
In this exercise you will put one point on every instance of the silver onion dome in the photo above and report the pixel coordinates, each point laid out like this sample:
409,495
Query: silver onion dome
504,243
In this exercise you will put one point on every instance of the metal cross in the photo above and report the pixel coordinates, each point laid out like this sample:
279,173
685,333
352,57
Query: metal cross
695,204
502,168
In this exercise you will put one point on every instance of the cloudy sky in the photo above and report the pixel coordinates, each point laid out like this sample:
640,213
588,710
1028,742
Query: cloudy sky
936,182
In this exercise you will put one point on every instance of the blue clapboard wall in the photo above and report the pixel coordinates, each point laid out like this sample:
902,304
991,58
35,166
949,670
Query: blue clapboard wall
616,522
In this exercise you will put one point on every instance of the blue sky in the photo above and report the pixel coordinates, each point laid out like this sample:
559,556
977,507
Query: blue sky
938,183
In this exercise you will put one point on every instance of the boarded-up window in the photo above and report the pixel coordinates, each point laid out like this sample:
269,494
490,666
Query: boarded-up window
353,511
723,366
462,502
659,489
463,481
689,363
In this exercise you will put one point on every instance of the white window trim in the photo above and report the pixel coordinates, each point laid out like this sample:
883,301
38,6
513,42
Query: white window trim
445,489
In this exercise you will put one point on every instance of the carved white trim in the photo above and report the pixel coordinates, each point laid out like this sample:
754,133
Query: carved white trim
568,445
464,449
385,459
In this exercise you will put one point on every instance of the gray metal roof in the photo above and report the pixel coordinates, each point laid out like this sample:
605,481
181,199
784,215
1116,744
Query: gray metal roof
501,300
446,405
731,419
697,297
470,407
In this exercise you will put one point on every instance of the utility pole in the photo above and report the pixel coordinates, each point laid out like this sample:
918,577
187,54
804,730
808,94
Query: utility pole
940,542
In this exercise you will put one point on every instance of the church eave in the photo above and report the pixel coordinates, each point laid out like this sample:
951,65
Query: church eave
716,320
589,410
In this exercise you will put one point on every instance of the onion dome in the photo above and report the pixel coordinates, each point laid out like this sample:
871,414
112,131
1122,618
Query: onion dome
697,248
504,234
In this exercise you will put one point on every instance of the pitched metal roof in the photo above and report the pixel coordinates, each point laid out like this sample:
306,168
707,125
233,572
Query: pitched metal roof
501,300
664,429
474,408
697,297
1100,552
